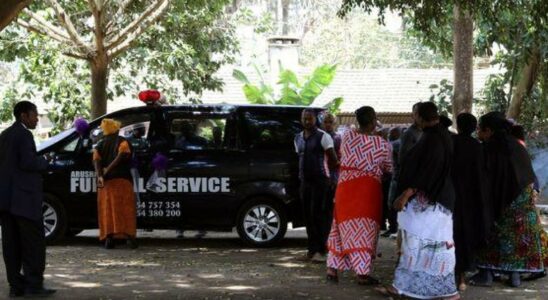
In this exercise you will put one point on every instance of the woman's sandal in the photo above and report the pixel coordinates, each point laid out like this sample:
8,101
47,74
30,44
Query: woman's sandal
388,291
367,280
332,276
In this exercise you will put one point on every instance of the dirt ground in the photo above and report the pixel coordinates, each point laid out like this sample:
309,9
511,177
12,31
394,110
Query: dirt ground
216,267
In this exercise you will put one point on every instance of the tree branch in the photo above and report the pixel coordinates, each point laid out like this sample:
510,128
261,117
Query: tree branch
152,13
130,39
64,19
134,35
96,10
75,55
119,12
41,30
46,24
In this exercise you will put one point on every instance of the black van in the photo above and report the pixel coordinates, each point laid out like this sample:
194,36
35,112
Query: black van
239,169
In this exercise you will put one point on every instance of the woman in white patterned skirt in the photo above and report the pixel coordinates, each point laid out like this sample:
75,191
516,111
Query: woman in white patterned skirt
426,267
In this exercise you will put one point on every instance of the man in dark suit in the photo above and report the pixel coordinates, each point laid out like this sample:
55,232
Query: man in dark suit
23,241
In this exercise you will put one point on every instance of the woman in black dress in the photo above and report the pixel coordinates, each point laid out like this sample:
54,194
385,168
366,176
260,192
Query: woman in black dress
468,231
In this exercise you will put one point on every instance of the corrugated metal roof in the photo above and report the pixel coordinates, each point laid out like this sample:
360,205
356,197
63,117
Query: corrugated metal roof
387,119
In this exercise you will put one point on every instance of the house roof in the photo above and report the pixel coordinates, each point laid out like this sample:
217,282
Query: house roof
387,119
386,90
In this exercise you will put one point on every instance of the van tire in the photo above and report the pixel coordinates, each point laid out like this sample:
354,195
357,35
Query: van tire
261,222
54,219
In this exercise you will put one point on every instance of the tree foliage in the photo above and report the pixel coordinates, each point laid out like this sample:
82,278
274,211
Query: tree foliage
519,28
441,95
534,111
173,45
356,41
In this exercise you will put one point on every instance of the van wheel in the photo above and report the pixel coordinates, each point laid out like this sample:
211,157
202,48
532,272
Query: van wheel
55,219
261,222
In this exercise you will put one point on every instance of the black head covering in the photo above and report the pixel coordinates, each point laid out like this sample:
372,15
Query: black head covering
518,132
445,121
507,164
427,167
466,123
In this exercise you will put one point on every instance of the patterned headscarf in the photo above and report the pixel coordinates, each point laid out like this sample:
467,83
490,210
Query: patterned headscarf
110,126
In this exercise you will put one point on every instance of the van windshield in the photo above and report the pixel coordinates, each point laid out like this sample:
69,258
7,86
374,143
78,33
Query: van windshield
54,139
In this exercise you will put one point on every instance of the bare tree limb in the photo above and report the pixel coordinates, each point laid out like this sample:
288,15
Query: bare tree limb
76,55
121,48
41,30
64,19
59,31
96,10
152,13
121,8
130,39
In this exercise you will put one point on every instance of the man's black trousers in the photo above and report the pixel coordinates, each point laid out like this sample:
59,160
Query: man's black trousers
317,200
24,248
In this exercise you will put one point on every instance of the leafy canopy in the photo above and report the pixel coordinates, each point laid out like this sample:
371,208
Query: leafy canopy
177,55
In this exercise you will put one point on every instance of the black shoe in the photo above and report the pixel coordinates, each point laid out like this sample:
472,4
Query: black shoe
514,280
132,243
109,243
16,292
38,293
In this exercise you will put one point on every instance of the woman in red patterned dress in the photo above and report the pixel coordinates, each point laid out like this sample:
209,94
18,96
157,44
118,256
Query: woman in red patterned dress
357,215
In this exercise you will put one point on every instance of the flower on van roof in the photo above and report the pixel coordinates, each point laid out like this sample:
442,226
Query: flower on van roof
150,96
81,126
159,162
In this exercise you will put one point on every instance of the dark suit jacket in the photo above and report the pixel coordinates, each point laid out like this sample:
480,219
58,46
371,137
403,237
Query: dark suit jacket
20,177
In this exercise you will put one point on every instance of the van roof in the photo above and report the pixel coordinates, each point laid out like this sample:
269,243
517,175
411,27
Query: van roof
210,107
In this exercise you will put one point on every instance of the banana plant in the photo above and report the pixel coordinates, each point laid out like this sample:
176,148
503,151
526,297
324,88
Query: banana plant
291,90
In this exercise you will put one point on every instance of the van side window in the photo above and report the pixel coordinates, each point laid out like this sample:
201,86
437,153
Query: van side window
134,127
272,131
197,133
71,146
136,134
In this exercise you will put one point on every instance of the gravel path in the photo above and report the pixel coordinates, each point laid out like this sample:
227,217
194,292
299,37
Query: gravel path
216,267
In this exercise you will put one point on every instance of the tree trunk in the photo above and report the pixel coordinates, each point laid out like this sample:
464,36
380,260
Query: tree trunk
9,9
99,83
463,61
527,78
